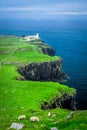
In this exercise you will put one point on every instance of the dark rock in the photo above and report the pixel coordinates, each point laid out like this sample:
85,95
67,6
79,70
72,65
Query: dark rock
65,101
48,50
46,71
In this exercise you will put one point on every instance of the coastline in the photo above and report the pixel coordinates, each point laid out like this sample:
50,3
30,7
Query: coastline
38,92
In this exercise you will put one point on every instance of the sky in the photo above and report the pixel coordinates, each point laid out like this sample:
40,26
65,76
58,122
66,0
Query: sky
42,9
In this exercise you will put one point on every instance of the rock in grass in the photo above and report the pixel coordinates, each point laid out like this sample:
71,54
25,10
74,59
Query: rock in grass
22,117
16,126
54,128
34,119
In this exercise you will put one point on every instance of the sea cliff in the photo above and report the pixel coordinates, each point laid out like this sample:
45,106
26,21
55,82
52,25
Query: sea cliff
29,84
45,71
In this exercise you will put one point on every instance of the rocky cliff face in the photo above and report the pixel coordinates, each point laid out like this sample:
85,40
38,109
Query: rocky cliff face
65,101
46,71
48,50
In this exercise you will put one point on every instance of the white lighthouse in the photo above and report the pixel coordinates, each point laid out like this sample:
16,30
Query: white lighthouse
32,37
37,35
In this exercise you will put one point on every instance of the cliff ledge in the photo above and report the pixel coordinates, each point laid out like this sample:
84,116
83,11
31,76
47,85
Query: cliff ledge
45,71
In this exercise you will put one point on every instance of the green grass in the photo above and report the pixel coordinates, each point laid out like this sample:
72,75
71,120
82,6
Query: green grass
11,84
25,97
26,57
76,122
22,51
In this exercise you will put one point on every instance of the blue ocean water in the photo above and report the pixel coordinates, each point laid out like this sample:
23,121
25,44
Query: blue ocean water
70,42
72,46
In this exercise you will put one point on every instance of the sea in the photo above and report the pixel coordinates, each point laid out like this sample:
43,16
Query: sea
68,38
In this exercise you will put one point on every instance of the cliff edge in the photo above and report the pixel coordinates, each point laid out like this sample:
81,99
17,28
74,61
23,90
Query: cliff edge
45,71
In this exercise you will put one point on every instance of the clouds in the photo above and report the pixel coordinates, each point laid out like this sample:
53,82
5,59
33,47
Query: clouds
14,3
47,9
67,13
43,10
60,7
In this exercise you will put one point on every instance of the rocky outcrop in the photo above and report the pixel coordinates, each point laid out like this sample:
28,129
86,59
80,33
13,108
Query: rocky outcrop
46,71
47,50
65,101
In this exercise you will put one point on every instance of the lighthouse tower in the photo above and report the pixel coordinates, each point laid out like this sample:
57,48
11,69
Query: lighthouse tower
37,35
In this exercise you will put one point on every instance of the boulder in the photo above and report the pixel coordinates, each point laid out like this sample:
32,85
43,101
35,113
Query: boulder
17,126
54,128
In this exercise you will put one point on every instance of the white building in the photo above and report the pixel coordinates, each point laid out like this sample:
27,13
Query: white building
32,37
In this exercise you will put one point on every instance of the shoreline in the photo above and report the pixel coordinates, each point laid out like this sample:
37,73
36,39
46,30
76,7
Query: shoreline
32,94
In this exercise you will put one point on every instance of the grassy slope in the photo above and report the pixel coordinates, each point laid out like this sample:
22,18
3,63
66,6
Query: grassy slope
14,49
26,97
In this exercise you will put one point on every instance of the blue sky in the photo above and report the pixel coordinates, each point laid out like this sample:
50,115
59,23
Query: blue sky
42,9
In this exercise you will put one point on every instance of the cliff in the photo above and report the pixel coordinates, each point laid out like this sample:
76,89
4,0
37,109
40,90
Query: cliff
46,49
66,101
45,71
29,97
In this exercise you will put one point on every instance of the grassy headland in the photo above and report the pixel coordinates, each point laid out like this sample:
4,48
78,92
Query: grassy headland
25,97
17,50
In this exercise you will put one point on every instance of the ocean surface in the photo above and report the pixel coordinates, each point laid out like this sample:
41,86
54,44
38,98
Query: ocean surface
70,43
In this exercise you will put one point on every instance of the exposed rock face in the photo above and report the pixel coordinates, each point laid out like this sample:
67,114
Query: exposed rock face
45,48
46,71
50,51
66,101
